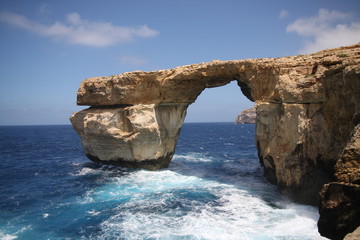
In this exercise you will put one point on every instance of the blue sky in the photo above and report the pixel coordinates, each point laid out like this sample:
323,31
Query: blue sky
48,47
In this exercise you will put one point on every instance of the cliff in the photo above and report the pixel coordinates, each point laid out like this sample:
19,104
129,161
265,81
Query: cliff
307,107
248,116
340,201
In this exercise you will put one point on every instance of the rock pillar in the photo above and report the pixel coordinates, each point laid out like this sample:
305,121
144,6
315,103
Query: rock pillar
140,136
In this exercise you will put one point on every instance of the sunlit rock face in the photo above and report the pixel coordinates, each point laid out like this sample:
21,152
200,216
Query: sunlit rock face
248,116
142,136
307,108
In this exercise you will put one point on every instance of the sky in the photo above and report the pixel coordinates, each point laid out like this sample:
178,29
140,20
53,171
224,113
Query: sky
48,47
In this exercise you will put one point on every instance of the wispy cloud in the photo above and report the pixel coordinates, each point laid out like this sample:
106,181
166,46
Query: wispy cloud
76,30
132,60
44,8
283,13
328,29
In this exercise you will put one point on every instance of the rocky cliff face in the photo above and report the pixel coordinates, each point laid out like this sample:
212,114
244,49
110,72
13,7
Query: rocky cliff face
307,107
340,201
248,116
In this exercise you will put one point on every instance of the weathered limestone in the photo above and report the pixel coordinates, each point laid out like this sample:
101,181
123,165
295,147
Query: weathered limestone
291,140
347,168
307,106
353,235
340,201
339,210
132,136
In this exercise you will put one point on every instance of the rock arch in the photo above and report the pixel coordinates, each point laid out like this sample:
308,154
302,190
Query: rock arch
307,109
135,118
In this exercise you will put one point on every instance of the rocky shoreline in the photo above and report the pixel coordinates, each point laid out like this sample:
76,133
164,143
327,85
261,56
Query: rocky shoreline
307,124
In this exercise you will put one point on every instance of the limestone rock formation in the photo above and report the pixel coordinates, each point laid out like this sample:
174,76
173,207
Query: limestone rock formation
143,135
347,168
248,116
307,108
339,210
340,201
353,235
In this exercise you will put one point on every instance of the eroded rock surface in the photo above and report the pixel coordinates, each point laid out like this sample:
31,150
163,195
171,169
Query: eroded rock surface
339,210
143,135
340,201
307,127
307,108
353,235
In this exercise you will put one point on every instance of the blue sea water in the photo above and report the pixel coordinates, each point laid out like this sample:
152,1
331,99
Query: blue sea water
213,189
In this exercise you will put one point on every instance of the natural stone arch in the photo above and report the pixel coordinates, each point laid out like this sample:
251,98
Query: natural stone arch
139,136
135,118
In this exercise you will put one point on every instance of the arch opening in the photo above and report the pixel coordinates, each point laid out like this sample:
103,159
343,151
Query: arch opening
219,104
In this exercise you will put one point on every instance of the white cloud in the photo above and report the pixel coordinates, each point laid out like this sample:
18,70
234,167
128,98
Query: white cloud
328,29
132,60
283,13
76,30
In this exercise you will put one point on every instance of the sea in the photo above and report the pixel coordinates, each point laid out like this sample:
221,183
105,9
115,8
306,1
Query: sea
213,189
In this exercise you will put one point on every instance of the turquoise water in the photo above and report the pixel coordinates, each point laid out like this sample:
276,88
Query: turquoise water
213,189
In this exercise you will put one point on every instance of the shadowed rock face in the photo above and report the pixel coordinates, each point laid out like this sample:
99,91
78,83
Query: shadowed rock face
340,201
339,210
307,108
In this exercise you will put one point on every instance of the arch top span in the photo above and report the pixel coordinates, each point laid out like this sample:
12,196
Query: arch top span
178,85
286,79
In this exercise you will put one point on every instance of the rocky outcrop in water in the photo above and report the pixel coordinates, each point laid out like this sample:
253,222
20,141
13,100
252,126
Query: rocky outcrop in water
307,108
143,135
248,116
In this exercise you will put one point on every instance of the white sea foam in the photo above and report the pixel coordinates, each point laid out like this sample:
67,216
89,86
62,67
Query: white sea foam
7,236
93,212
232,214
228,144
193,157
137,184
86,171
4,236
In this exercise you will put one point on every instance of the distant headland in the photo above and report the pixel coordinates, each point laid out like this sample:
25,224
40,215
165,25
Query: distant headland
247,116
